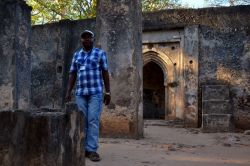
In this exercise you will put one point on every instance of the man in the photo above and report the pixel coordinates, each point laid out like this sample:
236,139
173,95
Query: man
89,68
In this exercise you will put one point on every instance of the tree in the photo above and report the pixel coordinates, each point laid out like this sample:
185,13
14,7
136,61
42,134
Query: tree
227,2
153,5
46,11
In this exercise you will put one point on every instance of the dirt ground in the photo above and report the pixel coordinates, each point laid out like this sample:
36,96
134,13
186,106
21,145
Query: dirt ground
168,145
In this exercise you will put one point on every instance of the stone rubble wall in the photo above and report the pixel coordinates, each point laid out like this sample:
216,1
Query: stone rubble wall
222,43
224,60
235,17
42,137
54,44
52,50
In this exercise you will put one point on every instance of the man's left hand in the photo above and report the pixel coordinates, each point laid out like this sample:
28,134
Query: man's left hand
107,99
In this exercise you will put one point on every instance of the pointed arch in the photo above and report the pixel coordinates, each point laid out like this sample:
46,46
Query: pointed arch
162,60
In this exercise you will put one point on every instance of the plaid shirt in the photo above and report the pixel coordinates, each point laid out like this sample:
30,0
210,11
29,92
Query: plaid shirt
88,66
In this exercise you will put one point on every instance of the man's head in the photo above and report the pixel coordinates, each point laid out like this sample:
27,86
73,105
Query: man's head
87,39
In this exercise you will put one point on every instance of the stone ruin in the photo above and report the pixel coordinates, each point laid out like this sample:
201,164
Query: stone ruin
42,137
42,134
186,55
187,64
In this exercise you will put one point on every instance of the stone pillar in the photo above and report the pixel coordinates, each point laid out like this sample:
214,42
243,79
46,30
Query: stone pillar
191,57
119,30
15,30
42,138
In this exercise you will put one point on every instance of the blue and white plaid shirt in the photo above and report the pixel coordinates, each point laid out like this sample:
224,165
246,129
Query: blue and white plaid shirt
88,66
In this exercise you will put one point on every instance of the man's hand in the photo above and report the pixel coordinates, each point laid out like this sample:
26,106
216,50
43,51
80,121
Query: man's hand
67,97
107,96
72,79
107,99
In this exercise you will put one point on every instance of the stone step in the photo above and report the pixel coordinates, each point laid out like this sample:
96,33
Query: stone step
216,107
217,122
215,92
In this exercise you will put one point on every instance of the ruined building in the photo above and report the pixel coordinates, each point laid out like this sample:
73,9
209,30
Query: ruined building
195,65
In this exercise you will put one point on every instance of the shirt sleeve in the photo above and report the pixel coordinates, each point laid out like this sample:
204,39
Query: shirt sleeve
73,67
104,61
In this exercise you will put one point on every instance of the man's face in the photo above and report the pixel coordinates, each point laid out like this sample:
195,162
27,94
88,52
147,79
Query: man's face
87,41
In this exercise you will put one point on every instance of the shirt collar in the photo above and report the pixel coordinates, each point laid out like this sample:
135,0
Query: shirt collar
86,52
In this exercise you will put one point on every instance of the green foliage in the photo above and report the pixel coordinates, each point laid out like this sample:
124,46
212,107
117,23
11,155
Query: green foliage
153,5
46,11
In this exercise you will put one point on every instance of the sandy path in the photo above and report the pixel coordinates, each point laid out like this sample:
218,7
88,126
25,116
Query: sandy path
165,146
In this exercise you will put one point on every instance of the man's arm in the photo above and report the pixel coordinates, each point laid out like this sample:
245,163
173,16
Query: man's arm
107,97
71,83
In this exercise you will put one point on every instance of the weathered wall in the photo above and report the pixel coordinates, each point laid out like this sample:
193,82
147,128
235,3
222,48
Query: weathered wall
15,30
53,46
191,67
219,17
119,33
49,48
217,113
224,60
64,40
38,138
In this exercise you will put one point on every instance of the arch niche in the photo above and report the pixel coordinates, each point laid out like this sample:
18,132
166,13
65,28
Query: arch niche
169,73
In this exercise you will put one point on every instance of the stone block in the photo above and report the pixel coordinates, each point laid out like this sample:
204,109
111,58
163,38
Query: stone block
41,138
191,117
117,127
247,132
216,107
217,122
215,92
242,120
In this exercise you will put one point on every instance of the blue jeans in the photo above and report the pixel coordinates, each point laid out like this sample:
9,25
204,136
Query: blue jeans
91,106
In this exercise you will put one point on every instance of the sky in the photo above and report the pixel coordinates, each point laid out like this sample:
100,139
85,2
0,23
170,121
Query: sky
194,3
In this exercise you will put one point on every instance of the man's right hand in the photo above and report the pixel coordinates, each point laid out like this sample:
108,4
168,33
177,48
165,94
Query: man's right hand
68,97
72,79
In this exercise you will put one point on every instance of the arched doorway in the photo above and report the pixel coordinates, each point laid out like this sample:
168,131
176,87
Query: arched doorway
153,91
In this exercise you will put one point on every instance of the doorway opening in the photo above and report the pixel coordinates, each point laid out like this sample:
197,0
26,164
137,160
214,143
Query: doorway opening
153,92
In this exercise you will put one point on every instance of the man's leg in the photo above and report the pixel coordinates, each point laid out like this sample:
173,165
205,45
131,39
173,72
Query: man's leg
94,113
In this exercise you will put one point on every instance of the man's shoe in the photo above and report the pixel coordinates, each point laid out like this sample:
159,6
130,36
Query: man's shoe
86,153
93,156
